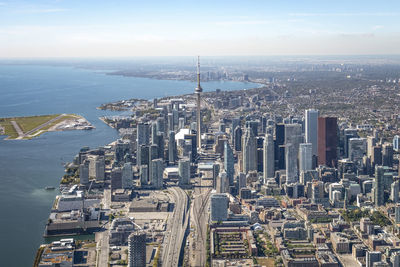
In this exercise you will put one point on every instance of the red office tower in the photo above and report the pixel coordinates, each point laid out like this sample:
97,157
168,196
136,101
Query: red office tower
327,141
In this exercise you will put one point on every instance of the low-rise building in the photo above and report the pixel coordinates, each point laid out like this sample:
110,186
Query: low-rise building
327,259
340,243
290,260
58,253
120,230
149,204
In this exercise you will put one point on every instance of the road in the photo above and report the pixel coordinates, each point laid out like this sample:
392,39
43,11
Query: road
176,228
18,129
102,248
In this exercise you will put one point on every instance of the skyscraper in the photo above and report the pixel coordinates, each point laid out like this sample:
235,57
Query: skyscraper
184,171
397,213
154,132
396,144
137,249
379,185
387,155
249,147
291,163
376,155
238,138
121,148
327,141
305,157
293,138
84,172
242,180
280,134
144,175
357,149
157,169
394,191
143,155
253,125
198,90
269,157
235,123
371,142
279,146
127,176
96,167
293,134
116,178
229,162
371,257
311,129
175,117
192,138
160,125
216,170
142,137
160,145
222,183
153,154
347,135
170,118
172,152
219,207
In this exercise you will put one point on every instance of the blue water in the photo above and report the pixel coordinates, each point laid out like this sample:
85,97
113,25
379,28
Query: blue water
26,167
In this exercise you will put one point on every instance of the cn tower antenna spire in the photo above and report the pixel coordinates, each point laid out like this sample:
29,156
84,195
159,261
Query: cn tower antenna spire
198,90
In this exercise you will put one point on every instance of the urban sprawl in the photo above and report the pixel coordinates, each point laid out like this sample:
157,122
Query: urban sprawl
270,176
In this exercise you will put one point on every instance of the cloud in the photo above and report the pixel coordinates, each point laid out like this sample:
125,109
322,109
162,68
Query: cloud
356,14
244,22
43,10
377,27
357,35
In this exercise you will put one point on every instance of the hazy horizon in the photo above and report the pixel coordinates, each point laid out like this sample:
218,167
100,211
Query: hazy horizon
91,29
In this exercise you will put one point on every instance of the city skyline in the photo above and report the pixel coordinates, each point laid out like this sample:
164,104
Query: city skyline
183,28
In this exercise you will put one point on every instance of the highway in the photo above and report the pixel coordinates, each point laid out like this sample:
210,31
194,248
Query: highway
176,228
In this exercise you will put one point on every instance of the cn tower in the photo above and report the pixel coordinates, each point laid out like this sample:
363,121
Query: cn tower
198,90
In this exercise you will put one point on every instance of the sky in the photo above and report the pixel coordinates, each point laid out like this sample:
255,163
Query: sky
114,28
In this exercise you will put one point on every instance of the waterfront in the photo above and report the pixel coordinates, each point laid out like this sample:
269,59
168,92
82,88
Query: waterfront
26,167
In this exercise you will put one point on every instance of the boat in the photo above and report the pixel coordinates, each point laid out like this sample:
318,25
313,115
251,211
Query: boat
49,188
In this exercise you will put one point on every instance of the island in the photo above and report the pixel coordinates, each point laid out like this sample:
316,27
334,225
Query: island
24,128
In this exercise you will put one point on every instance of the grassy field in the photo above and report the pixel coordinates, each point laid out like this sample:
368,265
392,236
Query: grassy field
269,262
29,123
66,117
8,128
25,123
